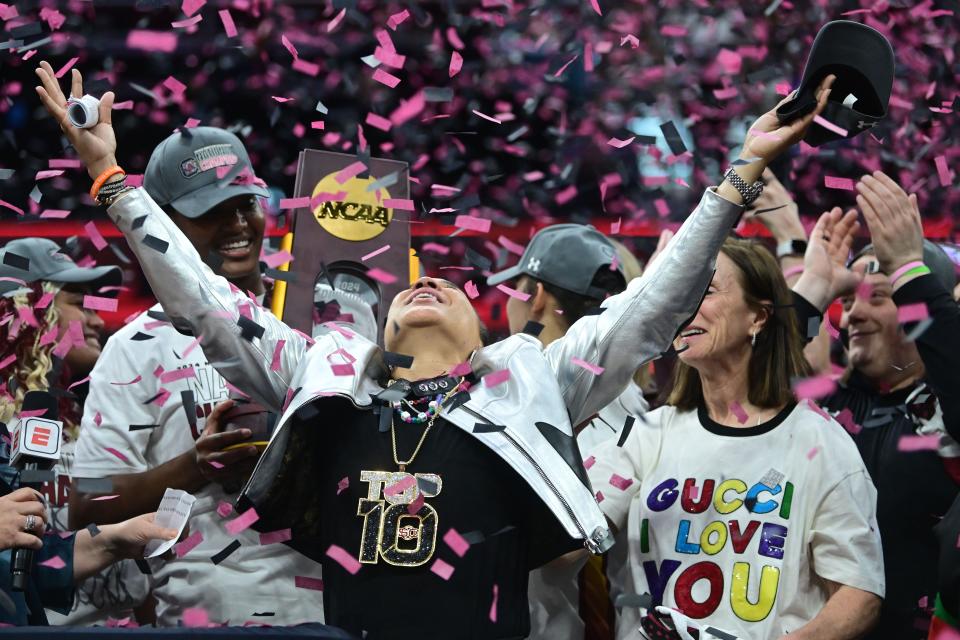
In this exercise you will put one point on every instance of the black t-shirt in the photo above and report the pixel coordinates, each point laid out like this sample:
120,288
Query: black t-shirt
479,495
914,490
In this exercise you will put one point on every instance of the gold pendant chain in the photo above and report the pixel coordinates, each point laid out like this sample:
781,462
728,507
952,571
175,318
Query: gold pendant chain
393,432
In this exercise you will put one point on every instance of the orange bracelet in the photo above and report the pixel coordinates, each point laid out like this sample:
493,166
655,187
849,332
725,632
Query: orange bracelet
103,177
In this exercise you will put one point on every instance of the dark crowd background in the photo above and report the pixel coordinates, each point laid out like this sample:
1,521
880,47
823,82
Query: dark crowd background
564,78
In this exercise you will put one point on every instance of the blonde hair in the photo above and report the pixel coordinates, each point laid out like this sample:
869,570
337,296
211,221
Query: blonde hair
32,368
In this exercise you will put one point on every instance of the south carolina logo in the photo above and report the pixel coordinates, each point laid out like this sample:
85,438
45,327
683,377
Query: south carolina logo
189,168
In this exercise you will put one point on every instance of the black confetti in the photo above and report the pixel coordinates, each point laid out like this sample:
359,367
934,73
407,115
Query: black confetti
438,94
249,329
16,261
143,566
400,360
29,477
142,427
532,328
138,222
627,428
220,556
633,601
672,136
426,486
26,30
456,400
720,635
93,529
102,486
486,427
285,276
189,406
139,336
645,140
478,260
156,243
149,400
813,327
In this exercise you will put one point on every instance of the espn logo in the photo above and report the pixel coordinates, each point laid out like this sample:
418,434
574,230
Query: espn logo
40,437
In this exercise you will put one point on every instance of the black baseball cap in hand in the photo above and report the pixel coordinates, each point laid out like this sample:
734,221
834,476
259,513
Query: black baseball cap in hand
567,256
196,169
40,259
862,60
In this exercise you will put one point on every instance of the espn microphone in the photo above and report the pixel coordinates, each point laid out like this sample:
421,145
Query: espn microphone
35,444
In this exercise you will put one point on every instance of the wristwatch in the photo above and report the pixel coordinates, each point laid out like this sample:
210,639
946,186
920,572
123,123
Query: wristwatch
791,248
749,192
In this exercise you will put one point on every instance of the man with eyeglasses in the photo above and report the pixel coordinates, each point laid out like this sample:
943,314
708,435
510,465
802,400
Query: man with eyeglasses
153,389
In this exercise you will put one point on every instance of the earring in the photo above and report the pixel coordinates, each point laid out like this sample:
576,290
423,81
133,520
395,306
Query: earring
753,339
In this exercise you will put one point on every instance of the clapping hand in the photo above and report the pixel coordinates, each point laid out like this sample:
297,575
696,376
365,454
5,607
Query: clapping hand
893,219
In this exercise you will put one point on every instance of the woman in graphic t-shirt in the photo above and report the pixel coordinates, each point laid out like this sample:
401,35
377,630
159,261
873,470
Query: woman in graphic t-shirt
746,511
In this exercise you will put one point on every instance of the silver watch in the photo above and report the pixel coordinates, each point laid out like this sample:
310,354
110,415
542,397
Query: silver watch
749,192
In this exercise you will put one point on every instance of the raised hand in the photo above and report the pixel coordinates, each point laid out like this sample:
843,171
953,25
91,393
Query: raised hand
97,145
777,211
893,219
767,138
825,274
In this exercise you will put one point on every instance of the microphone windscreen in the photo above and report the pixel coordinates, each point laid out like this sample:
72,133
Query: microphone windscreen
36,400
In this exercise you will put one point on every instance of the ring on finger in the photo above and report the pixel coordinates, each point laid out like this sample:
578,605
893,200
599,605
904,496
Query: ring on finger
30,524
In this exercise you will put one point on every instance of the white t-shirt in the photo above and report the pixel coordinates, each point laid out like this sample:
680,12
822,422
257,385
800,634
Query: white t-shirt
112,593
733,526
554,591
254,579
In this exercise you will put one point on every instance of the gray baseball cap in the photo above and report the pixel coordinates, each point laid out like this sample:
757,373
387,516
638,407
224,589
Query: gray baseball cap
566,256
183,169
33,259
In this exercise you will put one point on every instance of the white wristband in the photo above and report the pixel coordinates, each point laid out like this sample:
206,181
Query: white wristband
84,112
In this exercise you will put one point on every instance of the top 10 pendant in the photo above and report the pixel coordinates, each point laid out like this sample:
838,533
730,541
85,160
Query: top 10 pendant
401,527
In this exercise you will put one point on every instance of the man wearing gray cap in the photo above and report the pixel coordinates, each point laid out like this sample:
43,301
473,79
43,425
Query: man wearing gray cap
203,179
567,270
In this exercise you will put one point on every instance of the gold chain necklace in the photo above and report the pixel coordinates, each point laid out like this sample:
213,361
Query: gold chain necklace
393,432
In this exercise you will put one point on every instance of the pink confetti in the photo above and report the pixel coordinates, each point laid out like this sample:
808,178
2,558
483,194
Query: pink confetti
912,312
845,418
188,544
620,144
556,74
117,454
615,227
294,203
403,204
471,290
400,486
620,482
381,276
833,182
161,397
493,605
277,351
48,173
726,94
350,171
177,374
673,30
96,303
513,293
494,378
176,87
195,617
385,77
63,70
486,117
943,172
55,562
414,507
566,195
95,237
228,26
55,214
304,582
277,259
18,210
456,63
122,384
317,124
592,368
738,412
461,369
442,569
510,245
63,163
308,68
456,542
396,19
918,443
344,559
224,509
813,453
596,7
243,521
473,223
378,122
189,22
336,20
589,462
343,485
190,7
375,253
193,345
814,387
829,126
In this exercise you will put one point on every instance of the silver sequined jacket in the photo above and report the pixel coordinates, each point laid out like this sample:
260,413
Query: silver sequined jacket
544,386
